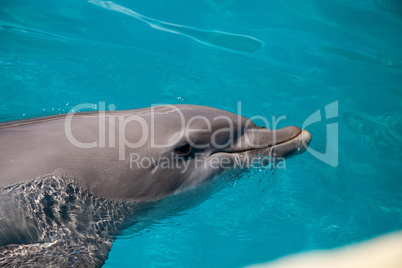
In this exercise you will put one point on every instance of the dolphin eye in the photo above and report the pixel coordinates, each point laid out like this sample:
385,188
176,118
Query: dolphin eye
183,150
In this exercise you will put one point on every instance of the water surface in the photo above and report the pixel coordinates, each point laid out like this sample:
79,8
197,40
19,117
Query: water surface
278,58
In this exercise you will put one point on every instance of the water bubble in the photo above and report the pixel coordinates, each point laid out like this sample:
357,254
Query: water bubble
112,107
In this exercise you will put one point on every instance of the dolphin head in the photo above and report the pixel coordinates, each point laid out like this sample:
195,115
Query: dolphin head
191,145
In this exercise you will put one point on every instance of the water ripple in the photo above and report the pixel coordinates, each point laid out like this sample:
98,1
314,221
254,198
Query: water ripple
393,6
382,135
379,59
382,205
229,41
26,30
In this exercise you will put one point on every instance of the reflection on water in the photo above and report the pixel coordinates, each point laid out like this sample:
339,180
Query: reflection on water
383,206
382,136
236,42
59,221
378,59
25,30
393,6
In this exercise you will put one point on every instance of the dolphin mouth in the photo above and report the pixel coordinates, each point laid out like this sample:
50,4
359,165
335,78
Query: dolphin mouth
293,146
286,142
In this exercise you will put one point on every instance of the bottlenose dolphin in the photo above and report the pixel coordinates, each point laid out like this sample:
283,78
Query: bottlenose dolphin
70,183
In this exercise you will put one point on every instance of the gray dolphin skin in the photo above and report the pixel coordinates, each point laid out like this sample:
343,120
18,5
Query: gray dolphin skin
70,183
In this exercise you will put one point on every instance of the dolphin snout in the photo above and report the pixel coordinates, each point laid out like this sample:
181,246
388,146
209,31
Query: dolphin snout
285,134
283,142
306,138
296,145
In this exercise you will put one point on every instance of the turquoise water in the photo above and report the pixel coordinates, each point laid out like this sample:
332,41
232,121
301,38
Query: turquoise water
278,58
